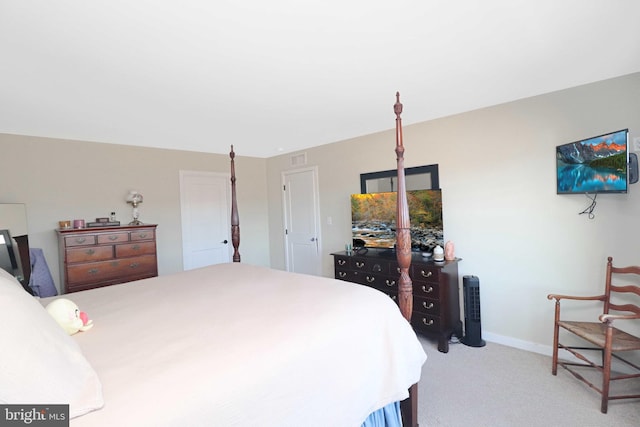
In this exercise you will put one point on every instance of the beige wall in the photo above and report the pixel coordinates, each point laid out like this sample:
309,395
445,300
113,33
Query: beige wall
61,179
497,174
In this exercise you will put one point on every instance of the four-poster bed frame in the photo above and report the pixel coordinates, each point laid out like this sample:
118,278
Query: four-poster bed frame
178,349
403,249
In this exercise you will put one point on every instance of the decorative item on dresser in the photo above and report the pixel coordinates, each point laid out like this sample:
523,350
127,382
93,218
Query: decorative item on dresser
135,198
95,257
436,299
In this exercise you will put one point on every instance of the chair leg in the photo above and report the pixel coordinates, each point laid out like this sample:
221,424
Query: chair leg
606,370
556,331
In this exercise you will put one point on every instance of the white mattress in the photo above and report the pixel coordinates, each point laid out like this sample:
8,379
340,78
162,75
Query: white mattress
240,345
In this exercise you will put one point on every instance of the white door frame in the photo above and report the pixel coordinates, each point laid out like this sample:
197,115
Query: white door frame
184,205
316,212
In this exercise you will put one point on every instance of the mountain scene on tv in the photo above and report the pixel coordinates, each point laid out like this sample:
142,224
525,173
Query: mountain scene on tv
594,165
373,218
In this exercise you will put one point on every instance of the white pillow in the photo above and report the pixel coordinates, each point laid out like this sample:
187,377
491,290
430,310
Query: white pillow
4,274
39,362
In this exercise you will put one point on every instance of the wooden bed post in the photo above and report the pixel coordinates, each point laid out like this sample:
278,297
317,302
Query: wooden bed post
235,221
403,227
409,406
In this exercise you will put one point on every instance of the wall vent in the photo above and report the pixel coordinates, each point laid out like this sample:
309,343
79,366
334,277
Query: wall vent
299,159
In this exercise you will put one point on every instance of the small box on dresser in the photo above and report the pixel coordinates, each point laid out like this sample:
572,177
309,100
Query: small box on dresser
103,256
436,295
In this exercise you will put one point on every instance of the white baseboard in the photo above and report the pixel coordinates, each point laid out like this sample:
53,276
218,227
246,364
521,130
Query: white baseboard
546,350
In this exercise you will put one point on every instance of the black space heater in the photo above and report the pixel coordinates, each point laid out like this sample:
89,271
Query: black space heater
472,327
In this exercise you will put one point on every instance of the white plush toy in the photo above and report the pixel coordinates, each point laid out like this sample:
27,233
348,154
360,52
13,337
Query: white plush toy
69,316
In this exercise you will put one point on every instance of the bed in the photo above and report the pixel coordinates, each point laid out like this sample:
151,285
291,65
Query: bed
225,345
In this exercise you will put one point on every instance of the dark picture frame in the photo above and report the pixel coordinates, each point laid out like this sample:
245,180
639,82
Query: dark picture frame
430,172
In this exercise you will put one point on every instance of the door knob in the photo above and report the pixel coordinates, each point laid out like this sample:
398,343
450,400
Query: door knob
225,241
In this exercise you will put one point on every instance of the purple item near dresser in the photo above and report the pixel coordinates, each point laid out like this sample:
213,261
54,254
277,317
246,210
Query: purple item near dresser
41,281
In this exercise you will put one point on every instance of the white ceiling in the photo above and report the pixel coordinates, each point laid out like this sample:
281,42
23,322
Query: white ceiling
279,76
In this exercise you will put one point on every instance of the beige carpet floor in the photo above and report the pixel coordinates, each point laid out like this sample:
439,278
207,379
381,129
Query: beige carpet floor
496,386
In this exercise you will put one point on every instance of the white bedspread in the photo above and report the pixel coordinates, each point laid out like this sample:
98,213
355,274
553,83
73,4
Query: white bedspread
240,345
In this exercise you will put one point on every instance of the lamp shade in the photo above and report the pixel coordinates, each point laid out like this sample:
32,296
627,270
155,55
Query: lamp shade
134,197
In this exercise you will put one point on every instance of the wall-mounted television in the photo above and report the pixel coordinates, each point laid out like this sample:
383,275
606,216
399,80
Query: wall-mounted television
594,165
373,219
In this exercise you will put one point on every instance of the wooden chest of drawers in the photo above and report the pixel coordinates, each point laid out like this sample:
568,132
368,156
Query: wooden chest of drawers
436,297
95,257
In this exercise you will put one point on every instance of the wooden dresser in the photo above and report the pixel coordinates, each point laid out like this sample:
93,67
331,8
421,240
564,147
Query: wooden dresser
436,296
95,257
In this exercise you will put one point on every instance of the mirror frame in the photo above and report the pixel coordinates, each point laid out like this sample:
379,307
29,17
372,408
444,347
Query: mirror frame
432,170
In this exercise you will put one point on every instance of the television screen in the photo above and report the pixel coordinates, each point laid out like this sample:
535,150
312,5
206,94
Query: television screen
373,219
594,165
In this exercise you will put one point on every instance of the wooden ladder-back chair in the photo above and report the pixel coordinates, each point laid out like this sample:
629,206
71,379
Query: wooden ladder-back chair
602,335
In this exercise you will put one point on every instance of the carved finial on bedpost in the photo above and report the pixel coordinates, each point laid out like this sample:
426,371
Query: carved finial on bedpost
397,107
403,227
235,221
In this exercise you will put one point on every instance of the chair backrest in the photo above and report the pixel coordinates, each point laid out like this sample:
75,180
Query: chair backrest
610,302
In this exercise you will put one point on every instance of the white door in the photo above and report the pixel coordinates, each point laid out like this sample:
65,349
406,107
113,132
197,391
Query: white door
206,224
302,221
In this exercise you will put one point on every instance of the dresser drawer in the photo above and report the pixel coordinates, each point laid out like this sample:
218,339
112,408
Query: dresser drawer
341,262
369,264
134,249
346,275
360,264
138,267
103,271
143,235
381,282
89,254
93,272
113,238
425,273
85,239
426,306
425,322
352,276
426,290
